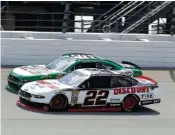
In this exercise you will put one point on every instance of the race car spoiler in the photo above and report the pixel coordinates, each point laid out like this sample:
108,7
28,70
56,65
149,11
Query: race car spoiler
132,64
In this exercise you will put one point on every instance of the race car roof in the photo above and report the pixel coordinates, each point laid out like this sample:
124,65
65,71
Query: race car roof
81,56
98,72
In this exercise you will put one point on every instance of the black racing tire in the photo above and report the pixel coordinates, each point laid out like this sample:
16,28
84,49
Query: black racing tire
130,103
59,103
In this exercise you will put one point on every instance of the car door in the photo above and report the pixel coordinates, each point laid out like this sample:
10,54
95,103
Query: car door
95,91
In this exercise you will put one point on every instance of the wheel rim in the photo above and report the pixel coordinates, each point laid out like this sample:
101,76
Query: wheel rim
130,103
57,103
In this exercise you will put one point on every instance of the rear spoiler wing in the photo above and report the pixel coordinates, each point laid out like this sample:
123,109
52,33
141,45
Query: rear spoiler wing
130,63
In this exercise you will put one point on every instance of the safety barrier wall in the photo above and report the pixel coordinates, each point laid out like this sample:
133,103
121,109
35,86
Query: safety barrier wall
85,36
43,51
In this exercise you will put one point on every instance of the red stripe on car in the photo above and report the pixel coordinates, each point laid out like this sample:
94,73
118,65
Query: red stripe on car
147,78
30,108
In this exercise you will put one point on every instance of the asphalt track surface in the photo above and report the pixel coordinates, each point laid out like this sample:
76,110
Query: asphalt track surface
157,119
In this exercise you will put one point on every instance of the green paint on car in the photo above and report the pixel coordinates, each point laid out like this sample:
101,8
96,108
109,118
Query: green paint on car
64,65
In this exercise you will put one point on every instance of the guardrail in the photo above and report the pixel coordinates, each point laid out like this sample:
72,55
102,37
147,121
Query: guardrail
86,36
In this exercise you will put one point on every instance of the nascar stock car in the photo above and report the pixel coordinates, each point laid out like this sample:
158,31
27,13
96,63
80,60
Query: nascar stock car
64,65
89,89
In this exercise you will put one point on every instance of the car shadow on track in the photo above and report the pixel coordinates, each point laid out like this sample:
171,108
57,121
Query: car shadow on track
140,111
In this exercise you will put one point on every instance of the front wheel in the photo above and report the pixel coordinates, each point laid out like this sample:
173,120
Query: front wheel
58,103
130,103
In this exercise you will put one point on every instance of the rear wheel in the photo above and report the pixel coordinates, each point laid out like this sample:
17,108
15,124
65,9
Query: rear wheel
59,103
130,103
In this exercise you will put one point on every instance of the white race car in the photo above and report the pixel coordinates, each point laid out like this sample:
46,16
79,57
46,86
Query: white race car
90,90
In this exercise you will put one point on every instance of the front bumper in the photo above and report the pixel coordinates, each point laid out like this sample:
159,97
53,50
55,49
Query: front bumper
32,106
31,97
13,84
12,89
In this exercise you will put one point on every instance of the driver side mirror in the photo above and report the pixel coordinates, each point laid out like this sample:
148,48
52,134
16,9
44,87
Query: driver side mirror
83,86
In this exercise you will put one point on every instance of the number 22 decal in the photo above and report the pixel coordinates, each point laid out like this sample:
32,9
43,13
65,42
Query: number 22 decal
97,98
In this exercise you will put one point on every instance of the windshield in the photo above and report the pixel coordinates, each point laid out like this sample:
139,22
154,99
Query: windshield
60,64
74,79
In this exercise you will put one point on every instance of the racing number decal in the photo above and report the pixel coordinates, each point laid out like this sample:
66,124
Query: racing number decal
97,98
102,98
90,98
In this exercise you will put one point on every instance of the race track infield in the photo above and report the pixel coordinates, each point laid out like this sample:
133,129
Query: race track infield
151,120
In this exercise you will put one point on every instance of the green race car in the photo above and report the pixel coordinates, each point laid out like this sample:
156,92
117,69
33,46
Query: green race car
64,65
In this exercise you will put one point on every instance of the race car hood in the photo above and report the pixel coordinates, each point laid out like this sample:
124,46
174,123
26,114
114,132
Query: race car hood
44,86
34,70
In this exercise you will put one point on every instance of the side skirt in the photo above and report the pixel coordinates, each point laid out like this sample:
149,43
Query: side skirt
110,107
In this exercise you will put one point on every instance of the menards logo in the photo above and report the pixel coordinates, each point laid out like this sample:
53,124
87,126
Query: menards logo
131,90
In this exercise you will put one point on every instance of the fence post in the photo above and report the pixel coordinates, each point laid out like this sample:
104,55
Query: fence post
82,23
66,16
173,21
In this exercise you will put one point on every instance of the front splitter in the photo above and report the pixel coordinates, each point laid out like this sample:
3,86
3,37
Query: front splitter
30,108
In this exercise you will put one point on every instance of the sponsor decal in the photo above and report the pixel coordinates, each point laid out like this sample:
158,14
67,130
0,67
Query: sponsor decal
46,77
156,101
29,69
112,104
131,90
74,97
35,69
112,100
146,102
149,95
47,84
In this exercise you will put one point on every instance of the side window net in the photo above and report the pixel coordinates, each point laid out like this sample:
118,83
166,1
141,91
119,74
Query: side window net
97,82
105,66
101,82
120,82
85,65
